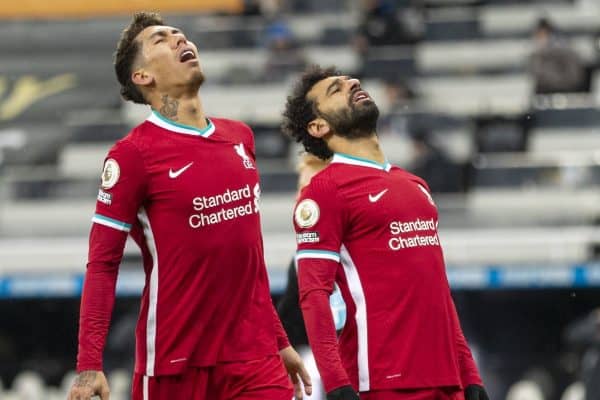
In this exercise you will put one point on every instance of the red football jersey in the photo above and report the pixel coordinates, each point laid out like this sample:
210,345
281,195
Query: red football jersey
189,198
372,228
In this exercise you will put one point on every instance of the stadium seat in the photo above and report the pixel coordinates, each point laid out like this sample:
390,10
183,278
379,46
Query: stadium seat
575,391
452,24
29,385
525,390
120,384
520,18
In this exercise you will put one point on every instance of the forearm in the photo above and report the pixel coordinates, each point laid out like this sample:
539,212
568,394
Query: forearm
323,340
469,374
97,301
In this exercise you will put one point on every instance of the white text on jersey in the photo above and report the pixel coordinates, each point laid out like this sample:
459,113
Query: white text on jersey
204,204
404,234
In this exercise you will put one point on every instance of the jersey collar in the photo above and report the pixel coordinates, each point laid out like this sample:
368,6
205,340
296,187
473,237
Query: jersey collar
363,162
165,123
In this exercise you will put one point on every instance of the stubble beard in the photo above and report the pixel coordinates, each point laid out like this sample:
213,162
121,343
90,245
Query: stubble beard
197,79
355,121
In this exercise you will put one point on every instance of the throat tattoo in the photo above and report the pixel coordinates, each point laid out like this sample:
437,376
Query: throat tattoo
169,108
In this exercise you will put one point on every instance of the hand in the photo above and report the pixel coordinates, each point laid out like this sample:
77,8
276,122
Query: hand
475,392
343,393
88,384
295,368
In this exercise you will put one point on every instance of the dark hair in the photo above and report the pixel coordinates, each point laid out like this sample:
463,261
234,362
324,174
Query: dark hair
299,111
544,23
127,51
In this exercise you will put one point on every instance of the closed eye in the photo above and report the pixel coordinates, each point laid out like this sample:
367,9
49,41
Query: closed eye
334,90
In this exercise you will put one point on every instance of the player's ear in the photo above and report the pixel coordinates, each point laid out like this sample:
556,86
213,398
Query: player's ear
318,128
141,77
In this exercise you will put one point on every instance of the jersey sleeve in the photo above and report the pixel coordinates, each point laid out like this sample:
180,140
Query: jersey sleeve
318,222
289,311
318,225
121,193
123,184
469,374
282,338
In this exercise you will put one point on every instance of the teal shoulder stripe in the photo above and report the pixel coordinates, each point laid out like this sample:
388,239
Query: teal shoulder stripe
113,221
318,252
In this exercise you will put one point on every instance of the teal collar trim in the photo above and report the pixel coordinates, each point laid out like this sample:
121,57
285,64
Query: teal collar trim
363,162
157,119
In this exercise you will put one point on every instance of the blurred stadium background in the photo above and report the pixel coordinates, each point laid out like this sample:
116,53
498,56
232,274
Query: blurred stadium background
514,162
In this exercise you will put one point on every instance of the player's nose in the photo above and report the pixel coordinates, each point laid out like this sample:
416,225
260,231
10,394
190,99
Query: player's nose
180,39
353,83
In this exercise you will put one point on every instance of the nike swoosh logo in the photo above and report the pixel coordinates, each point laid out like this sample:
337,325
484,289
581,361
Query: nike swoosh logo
375,198
175,174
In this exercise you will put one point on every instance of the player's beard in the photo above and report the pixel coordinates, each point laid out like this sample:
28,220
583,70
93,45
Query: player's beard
356,120
198,78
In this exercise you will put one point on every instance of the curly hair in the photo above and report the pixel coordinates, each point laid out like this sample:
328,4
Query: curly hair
299,111
127,51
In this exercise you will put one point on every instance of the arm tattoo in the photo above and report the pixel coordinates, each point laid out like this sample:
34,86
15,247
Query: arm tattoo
85,379
169,108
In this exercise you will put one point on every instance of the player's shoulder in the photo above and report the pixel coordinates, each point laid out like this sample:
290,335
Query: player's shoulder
323,184
410,176
231,126
130,144
333,175
123,158
232,123
233,131
144,137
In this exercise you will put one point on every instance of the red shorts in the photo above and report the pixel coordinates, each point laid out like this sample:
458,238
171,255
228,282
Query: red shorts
442,393
264,379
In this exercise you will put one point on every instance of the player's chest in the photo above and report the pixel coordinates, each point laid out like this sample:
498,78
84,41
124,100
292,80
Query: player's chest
376,200
183,172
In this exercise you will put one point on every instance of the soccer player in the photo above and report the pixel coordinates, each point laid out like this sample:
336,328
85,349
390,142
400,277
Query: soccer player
288,306
371,228
185,187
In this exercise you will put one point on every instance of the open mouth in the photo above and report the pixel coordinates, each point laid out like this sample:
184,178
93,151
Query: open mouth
359,96
187,55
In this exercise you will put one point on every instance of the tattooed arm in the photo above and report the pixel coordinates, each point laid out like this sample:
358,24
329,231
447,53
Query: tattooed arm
88,384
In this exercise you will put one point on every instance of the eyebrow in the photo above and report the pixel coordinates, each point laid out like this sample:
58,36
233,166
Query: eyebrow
163,33
332,85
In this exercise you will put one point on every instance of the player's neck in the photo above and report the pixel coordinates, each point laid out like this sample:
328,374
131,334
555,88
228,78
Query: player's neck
186,110
367,147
